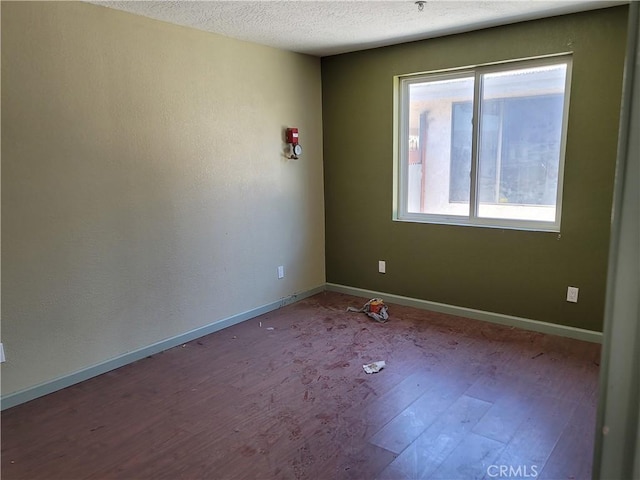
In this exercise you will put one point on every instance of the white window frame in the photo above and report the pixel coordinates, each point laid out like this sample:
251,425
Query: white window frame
401,150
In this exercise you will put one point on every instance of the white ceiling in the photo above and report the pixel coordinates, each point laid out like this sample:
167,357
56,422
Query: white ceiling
328,27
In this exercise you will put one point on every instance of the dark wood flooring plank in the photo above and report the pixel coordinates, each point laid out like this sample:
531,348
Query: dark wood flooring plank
364,463
470,459
491,387
435,444
506,415
409,424
572,458
381,410
537,436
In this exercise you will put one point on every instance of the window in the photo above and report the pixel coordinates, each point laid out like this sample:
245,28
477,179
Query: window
504,170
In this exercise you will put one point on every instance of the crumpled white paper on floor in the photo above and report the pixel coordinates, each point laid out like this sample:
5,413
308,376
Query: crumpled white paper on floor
374,367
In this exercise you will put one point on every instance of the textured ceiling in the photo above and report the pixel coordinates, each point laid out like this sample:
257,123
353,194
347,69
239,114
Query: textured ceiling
330,27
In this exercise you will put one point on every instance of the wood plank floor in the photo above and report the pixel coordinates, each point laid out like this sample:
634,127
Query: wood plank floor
458,399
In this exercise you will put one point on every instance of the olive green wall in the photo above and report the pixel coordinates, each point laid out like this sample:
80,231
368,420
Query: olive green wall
518,273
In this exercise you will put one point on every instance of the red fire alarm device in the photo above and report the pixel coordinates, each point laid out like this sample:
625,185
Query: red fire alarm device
292,139
292,136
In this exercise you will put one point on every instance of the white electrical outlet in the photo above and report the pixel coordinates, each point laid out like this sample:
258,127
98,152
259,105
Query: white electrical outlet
281,271
572,294
2,359
382,266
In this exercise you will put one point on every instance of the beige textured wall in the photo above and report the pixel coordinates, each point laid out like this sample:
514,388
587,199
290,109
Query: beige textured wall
144,188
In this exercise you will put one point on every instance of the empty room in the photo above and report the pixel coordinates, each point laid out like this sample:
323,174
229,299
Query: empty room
320,240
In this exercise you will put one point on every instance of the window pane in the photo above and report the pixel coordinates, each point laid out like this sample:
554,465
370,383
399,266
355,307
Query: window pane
519,144
439,146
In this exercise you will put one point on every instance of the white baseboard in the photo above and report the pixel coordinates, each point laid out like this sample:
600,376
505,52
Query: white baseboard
524,323
51,386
